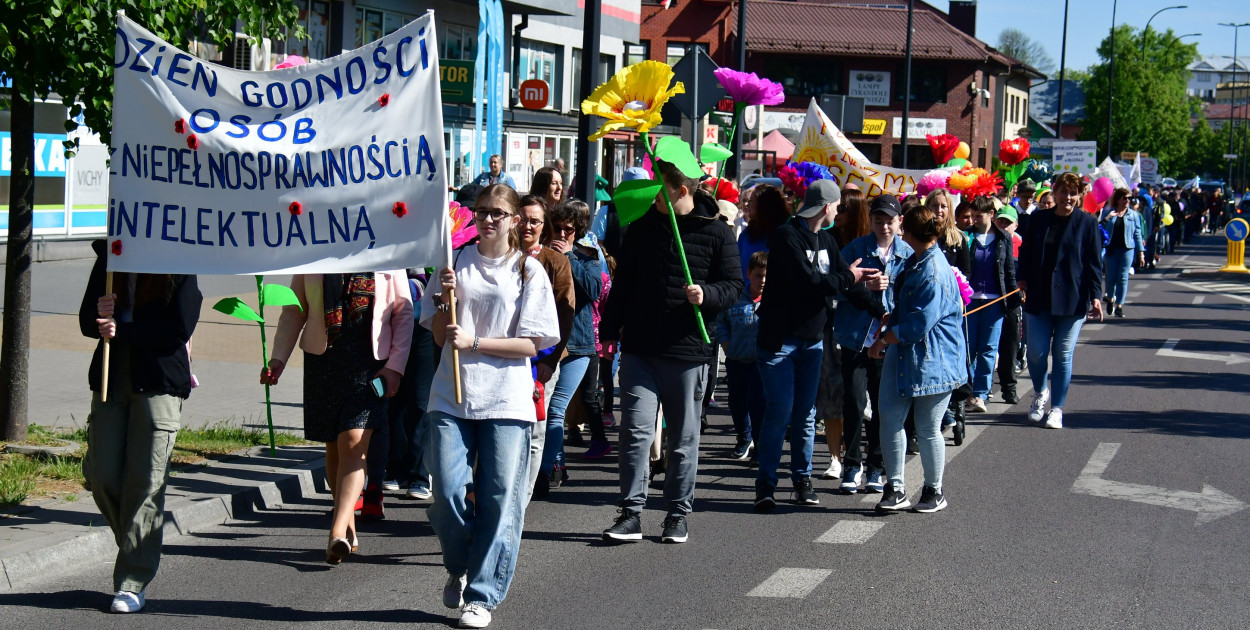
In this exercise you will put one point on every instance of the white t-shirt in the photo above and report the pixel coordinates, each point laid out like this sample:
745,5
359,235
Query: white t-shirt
493,303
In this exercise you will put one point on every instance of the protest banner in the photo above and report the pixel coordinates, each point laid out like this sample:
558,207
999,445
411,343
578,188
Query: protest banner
1071,156
333,166
823,143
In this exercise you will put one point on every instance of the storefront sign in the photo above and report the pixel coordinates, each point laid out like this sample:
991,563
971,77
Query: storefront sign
821,142
918,128
1075,156
456,80
874,126
49,155
871,85
534,94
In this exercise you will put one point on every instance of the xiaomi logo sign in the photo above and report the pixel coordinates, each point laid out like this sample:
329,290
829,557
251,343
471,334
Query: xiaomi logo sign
534,94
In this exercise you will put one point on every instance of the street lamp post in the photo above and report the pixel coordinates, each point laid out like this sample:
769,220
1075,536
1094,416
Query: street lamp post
911,7
1063,63
1111,78
1144,30
1232,106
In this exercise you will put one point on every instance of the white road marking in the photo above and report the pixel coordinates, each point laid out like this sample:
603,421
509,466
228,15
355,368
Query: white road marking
1210,504
794,583
1133,294
850,532
1169,350
1199,299
1095,327
1200,287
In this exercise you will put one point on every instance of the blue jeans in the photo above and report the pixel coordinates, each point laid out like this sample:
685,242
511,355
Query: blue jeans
480,539
790,376
1048,334
929,411
746,398
984,329
1118,265
572,371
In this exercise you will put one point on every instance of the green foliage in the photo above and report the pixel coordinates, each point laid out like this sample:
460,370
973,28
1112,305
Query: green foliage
238,309
634,198
711,153
280,295
675,151
1017,44
1151,111
67,47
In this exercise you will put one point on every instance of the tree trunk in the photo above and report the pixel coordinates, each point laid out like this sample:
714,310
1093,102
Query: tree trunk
15,346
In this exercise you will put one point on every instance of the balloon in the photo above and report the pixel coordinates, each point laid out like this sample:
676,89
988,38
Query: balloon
1167,210
1091,204
1103,187
963,151
1167,219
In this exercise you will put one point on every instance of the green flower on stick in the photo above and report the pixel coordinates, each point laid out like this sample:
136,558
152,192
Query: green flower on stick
266,295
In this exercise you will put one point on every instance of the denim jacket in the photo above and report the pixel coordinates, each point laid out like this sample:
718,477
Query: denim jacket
587,284
850,324
928,320
737,327
1132,230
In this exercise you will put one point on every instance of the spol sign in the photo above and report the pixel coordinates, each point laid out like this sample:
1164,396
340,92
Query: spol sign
333,166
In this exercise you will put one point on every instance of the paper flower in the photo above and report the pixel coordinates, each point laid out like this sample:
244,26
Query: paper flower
1038,171
193,143
463,229
726,190
965,289
400,209
745,88
790,179
984,184
943,147
296,208
1014,151
632,98
933,180
384,100
116,247
180,126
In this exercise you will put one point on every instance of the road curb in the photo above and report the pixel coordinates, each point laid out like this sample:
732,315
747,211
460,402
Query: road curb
67,553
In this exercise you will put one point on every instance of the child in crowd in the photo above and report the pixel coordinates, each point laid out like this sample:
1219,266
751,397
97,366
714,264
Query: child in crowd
1009,343
737,328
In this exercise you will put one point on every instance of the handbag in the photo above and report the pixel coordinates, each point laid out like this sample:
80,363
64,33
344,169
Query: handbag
540,394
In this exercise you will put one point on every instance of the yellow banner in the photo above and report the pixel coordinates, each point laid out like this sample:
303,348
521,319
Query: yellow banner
823,143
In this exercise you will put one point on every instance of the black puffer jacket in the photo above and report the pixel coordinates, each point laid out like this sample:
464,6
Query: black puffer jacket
647,308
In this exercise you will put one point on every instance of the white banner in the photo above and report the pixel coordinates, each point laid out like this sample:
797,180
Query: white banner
333,166
1074,156
1150,171
1109,169
823,143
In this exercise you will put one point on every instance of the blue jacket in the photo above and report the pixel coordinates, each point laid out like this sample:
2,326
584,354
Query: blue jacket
1132,230
483,180
587,285
1077,279
850,324
737,327
928,321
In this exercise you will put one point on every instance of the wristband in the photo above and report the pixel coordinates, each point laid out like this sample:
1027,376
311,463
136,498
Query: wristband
476,341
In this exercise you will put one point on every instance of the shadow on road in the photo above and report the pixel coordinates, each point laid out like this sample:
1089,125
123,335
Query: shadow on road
1184,422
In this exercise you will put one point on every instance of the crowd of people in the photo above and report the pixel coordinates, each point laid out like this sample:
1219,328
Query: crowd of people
878,322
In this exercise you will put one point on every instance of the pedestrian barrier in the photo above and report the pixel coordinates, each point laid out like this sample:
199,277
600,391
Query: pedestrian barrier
1236,230
995,301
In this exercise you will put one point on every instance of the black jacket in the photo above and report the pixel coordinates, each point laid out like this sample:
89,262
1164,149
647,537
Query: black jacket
1004,266
647,308
1077,280
796,296
157,335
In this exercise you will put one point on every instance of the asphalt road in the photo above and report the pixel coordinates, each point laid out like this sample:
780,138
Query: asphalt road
1035,536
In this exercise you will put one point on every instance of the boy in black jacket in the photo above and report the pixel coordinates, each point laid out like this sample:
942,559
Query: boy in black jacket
663,356
806,269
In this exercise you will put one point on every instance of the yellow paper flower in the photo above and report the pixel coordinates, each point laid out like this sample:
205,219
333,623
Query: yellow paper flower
632,98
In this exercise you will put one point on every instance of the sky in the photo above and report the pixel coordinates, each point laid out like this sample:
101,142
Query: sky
1089,21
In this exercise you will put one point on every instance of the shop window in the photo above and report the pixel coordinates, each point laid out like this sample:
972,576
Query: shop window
540,60
374,24
928,84
918,156
803,79
635,53
460,42
675,52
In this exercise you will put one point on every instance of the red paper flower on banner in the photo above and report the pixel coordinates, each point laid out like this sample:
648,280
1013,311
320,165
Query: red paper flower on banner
384,100
943,147
296,208
116,247
180,126
400,209
193,143
986,184
1014,151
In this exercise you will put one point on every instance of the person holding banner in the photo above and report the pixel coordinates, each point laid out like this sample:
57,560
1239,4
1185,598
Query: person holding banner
148,324
356,332
505,315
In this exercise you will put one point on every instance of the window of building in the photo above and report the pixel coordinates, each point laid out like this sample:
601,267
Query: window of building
985,89
635,53
315,18
374,24
928,83
676,51
803,79
540,60
918,156
460,42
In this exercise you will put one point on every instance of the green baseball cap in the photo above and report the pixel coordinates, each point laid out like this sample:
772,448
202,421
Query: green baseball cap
1009,212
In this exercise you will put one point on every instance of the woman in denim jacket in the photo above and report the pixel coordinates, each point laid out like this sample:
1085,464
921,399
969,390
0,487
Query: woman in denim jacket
1126,246
924,362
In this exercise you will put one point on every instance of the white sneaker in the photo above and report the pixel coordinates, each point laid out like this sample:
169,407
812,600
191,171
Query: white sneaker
127,602
390,485
974,405
1038,407
834,471
419,491
453,592
474,616
1054,419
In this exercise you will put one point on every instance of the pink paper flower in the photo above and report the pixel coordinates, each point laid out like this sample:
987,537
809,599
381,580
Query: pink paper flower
932,181
746,88
965,289
463,229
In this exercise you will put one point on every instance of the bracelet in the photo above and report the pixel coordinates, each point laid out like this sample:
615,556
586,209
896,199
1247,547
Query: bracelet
476,341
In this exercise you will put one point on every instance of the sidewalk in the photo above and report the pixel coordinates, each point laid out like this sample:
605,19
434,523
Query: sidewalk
57,537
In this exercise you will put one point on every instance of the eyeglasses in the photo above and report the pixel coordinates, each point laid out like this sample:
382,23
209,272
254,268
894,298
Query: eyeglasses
563,229
532,222
494,216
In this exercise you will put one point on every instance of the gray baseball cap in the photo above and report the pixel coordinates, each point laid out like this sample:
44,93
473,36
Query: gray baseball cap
819,193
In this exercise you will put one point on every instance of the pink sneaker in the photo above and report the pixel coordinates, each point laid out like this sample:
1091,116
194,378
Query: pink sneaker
609,420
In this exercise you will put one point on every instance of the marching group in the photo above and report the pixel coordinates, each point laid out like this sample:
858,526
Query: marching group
878,322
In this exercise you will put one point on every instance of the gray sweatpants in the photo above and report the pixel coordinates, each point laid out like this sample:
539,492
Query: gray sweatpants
538,439
648,383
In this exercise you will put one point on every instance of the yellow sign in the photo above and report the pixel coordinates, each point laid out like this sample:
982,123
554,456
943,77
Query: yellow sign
874,126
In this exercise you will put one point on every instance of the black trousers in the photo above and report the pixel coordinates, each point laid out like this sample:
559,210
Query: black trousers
861,377
1009,348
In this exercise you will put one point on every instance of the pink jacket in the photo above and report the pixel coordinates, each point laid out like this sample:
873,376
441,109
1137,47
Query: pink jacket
392,319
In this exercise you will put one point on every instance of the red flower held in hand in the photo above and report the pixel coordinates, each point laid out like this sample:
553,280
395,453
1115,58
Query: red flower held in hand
296,208
400,209
193,143
1014,151
384,100
180,126
116,247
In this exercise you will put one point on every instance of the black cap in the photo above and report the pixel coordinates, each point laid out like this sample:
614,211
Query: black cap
887,204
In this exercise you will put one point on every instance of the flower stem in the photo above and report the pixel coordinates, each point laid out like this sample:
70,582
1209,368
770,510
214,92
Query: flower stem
264,357
733,129
681,249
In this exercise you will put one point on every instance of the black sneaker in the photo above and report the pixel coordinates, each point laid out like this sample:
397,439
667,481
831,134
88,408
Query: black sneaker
804,493
764,501
931,500
1119,311
1010,396
913,447
627,528
675,529
559,475
892,500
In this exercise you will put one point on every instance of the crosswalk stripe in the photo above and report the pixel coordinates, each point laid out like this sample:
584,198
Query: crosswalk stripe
1199,299
1094,327
850,532
789,582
